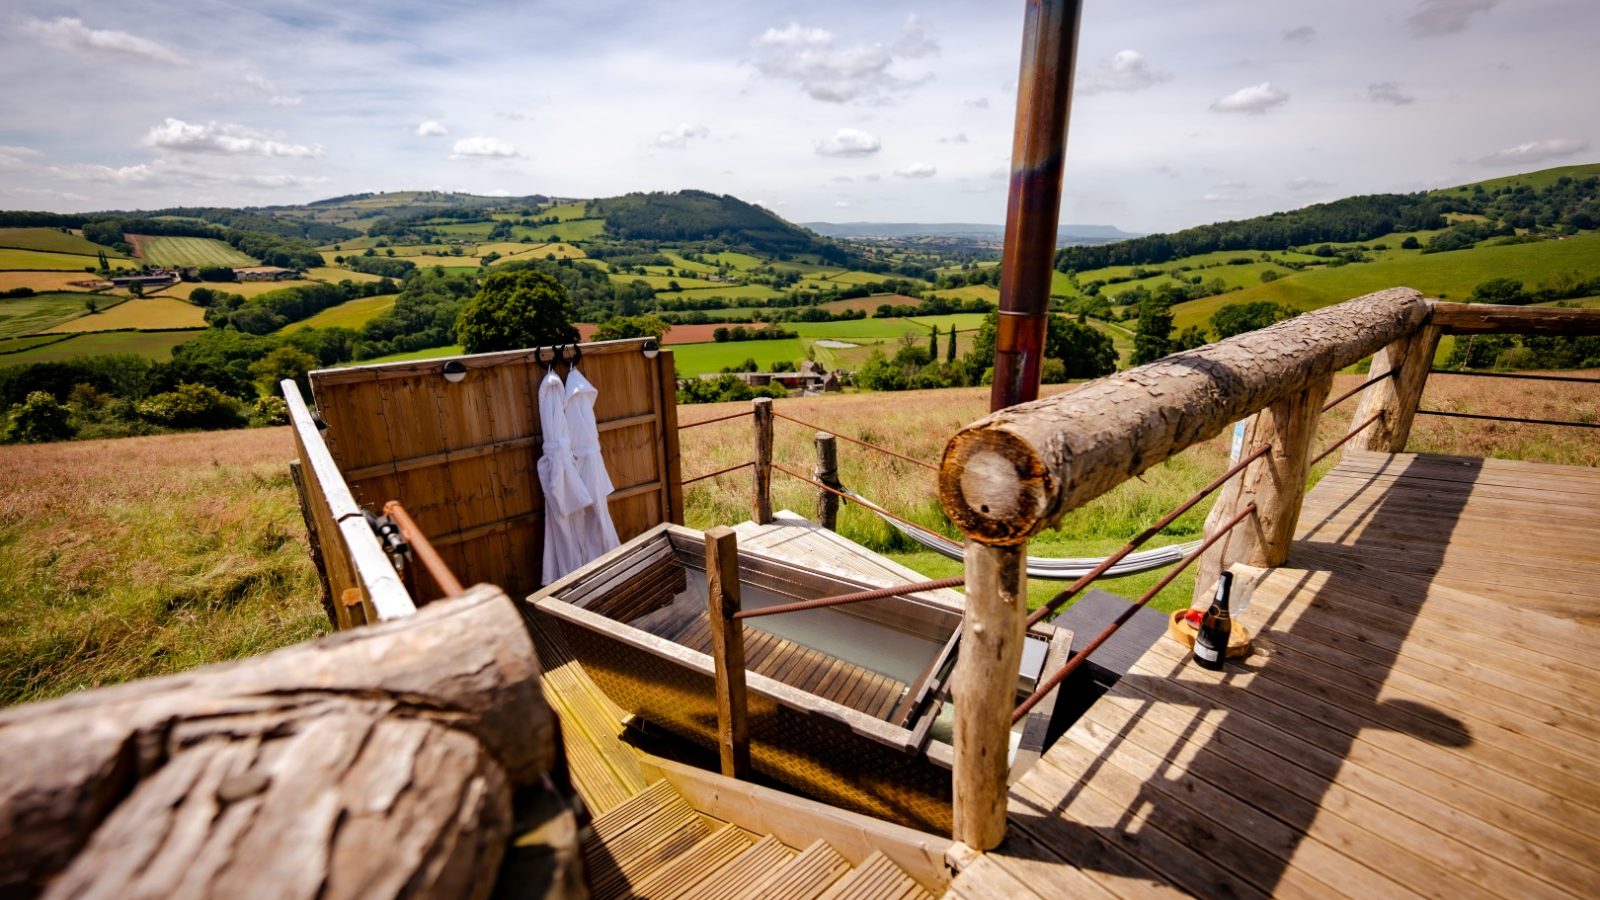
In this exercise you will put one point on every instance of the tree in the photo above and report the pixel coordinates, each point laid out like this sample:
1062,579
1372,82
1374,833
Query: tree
1083,351
619,327
1153,337
91,305
193,406
933,343
511,310
284,362
136,289
1410,243
38,419
1190,337
950,348
1498,290
1237,318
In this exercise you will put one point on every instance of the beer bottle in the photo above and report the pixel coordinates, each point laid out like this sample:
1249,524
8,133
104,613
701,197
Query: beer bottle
1211,641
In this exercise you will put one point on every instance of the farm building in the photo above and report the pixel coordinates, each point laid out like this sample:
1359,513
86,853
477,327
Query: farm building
158,278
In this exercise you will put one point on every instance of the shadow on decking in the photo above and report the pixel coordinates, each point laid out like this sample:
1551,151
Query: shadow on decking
1212,783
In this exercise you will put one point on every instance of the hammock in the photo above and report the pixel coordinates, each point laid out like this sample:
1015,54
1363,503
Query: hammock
1040,566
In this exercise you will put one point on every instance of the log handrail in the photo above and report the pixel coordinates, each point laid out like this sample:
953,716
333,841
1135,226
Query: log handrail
1486,318
1015,472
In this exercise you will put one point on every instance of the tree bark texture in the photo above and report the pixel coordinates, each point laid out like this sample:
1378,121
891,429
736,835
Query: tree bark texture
1015,472
1484,318
984,686
1397,398
376,761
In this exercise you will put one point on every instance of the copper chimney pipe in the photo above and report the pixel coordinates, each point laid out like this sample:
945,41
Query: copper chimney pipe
1033,209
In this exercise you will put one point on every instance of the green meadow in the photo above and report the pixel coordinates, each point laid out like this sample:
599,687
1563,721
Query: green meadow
164,250
53,240
349,314
25,315
40,260
155,345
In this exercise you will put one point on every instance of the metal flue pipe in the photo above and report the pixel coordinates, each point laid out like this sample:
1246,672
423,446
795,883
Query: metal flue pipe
1033,208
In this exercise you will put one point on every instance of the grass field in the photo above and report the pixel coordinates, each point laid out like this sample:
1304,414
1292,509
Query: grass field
122,559
334,275
694,359
38,260
150,555
53,240
10,345
566,212
245,288
736,291
428,353
156,345
574,230
349,314
1445,275
26,315
163,250
47,281
154,312
971,292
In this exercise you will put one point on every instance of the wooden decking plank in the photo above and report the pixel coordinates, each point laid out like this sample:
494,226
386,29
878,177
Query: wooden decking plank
1408,786
1338,825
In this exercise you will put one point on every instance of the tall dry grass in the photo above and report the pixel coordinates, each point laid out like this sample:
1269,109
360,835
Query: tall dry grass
121,559
143,556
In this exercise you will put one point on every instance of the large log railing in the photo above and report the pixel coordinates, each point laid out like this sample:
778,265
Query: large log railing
1017,472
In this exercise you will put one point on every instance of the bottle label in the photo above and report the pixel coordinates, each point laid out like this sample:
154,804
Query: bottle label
1209,654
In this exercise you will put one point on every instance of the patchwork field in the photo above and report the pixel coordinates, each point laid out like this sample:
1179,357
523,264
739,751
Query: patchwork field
154,312
155,345
335,275
11,345
26,315
55,262
183,289
49,281
349,314
53,240
162,250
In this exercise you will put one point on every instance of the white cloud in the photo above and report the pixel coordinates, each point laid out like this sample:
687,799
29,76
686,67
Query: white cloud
915,41
69,33
1536,152
1127,70
170,172
678,138
1440,17
137,174
1300,34
1257,98
267,89
12,158
849,142
1306,182
220,137
431,128
1388,92
482,147
917,170
832,73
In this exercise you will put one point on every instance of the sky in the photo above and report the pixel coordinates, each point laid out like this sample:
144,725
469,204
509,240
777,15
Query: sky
1183,113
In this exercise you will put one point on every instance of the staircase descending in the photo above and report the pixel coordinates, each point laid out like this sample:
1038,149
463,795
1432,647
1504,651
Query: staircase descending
647,841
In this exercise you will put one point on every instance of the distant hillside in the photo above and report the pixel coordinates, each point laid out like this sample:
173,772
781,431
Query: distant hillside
702,216
1567,197
1065,235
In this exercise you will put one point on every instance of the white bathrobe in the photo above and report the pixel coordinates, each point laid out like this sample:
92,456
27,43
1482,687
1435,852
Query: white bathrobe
596,533
564,493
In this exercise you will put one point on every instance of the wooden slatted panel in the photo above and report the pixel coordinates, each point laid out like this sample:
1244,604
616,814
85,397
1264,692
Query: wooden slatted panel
1418,717
463,457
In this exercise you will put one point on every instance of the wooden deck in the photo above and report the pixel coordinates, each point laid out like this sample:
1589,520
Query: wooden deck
1419,718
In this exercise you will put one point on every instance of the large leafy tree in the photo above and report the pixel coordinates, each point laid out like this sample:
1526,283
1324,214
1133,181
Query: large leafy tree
1083,351
512,310
1153,339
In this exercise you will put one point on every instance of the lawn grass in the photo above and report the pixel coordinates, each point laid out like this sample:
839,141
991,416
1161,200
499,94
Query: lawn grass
349,314
153,312
53,240
26,315
165,250
145,556
156,345
40,261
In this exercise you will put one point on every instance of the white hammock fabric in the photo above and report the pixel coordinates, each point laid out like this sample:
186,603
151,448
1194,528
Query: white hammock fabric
1041,566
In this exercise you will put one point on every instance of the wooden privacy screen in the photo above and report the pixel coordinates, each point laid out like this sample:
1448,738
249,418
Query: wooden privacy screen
463,457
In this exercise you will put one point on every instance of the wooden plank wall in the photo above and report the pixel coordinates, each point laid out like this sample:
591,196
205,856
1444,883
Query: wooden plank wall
463,457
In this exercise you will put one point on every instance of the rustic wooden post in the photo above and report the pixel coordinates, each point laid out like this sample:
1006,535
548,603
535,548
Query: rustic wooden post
1275,483
985,686
727,650
827,472
1397,397
761,508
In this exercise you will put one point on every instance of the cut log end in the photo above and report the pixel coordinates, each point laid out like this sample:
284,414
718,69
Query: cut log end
994,486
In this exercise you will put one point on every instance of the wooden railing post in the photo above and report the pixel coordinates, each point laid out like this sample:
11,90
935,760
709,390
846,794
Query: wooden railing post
761,507
1275,483
727,650
827,472
1398,397
985,688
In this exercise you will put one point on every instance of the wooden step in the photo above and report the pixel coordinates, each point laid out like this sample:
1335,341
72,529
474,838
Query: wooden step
642,835
803,878
677,878
877,878
731,881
